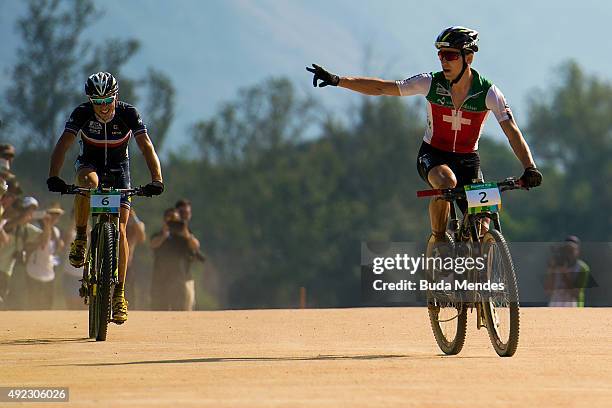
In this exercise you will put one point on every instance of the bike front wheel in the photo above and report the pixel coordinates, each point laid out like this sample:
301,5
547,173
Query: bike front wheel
447,315
89,281
501,307
104,270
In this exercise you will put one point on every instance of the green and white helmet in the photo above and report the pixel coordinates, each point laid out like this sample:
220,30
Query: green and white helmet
458,37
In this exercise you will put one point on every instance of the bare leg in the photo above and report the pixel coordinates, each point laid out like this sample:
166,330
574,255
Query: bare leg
87,178
120,305
440,177
124,248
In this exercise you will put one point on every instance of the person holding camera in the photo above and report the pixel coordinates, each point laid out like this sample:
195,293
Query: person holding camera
567,275
174,249
42,260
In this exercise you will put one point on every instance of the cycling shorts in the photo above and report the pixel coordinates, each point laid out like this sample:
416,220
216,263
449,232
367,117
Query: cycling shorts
465,166
121,171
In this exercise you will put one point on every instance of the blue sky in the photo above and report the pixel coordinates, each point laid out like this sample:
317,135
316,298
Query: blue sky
212,48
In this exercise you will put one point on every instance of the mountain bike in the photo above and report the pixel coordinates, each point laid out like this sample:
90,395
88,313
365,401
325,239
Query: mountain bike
100,272
477,236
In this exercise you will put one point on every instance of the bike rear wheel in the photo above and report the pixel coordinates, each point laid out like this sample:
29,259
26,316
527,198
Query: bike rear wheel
104,269
447,316
501,308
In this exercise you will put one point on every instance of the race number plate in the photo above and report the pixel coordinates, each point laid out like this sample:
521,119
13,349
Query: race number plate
483,197
107,203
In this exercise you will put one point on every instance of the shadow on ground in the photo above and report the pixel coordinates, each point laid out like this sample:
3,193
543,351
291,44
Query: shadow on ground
320,357
26,342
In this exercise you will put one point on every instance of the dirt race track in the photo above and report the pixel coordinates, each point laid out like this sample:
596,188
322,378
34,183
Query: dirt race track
379,357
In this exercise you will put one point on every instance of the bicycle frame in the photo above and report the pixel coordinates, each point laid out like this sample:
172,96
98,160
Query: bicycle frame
469,226
97,221
89,280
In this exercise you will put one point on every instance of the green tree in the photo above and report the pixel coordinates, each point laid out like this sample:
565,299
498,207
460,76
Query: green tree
265,116
44,81
570,128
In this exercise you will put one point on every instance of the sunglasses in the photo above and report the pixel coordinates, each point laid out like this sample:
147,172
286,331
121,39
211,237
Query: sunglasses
102,101
449,55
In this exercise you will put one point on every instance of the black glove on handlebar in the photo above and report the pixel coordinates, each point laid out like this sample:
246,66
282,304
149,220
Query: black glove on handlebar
57,185
531,177
326,78
154,188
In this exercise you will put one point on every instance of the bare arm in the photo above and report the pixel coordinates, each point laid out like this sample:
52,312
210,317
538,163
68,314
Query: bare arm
370,86
4,237
60,246
517,142
59,153
148,151
136,232
158,240
45,237
194,243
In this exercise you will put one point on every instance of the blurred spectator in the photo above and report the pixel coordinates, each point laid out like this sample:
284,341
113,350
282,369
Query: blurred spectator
174,249
42,260
136,235
9,200
5,177
183,207
7,152
23,237
567,276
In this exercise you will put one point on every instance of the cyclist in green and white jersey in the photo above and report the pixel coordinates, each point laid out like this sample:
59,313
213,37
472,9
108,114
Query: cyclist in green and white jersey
458,102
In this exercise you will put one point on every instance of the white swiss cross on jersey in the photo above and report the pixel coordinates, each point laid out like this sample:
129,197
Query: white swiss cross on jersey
455,129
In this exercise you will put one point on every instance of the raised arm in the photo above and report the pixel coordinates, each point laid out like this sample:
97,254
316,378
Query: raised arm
367,86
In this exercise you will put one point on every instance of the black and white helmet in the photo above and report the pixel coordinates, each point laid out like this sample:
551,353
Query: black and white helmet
100,85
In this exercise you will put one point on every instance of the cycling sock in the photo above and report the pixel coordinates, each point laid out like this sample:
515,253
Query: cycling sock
119,290
439,235
81,233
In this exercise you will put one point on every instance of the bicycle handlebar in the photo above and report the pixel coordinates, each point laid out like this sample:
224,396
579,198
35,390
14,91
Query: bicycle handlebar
450,194
128,192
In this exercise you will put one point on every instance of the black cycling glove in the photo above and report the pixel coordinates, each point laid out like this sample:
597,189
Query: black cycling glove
57,185
326,78
531,177
154,188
